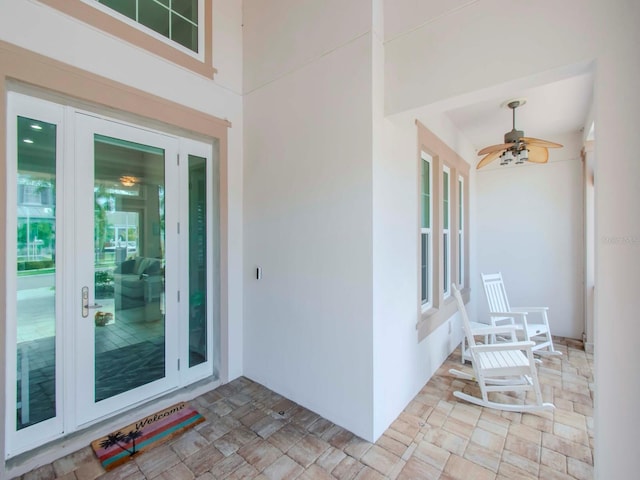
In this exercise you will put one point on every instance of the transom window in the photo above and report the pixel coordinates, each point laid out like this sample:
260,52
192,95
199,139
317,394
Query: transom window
176,20
179,31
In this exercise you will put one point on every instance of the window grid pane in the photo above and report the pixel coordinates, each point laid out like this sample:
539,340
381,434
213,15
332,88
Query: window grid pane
176,20
127,8
426,267
445,199
426,194
460,259
445,251
460,206
155,16
460,232
425,206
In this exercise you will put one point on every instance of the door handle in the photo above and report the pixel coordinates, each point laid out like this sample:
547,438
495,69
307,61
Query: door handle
85,303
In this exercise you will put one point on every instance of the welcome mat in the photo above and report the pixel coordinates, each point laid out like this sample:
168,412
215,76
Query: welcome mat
118,447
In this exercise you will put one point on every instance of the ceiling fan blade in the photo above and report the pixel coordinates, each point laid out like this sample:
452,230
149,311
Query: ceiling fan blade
538,154
536,142
495,148
489,158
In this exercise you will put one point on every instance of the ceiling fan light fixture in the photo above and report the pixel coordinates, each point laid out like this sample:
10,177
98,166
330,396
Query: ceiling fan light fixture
506,157
523,156
128,180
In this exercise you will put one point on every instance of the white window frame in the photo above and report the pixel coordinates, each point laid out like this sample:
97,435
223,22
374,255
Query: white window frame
427,302
107,20
199,55
461,232
446,232
444,159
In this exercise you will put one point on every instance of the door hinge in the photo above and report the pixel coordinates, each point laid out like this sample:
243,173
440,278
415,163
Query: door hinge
178,159
178,364
178,228
178,295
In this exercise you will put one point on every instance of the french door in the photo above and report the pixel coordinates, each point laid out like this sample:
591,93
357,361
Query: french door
116,279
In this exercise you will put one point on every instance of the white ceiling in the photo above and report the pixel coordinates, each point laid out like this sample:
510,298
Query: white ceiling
552,110
401,16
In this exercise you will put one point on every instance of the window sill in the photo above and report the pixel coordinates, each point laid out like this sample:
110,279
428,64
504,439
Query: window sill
425,315
432,318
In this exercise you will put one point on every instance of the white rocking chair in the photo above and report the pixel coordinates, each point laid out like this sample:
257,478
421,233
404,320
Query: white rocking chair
500,311
500,367
478,330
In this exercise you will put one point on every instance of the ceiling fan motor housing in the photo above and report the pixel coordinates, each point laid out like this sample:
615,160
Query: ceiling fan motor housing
513,136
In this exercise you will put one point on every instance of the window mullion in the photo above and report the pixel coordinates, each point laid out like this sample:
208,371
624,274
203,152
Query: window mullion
171,14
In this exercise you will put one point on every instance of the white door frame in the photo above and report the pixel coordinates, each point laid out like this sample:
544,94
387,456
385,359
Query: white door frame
87,410
73,250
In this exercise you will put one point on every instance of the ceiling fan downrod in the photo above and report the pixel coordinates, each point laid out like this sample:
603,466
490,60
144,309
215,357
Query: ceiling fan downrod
514,135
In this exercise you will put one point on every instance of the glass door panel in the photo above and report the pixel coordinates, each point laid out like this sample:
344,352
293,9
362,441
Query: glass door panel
35,291
127,329
129,186
199,259
198,331
36,272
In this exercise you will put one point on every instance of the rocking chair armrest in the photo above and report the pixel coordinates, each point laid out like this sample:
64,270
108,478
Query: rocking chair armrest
508,314
530,309
494,347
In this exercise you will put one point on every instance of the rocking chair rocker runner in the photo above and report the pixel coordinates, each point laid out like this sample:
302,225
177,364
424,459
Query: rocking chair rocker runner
500,311
500,367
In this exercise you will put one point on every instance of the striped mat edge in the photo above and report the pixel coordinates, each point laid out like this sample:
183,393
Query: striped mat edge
152,430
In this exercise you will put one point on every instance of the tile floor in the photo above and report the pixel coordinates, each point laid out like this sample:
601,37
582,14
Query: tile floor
252,432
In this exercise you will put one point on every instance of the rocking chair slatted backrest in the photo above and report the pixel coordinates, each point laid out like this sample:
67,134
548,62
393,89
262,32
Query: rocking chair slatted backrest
533,322
495,292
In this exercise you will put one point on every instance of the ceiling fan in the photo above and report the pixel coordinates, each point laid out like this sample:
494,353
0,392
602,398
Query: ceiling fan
516,146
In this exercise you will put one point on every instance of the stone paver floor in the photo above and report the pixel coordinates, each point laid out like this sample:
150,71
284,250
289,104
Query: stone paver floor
254,433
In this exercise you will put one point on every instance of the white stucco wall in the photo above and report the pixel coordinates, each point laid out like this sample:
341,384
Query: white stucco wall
617,451
331,208
308,205
530,229
402,364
